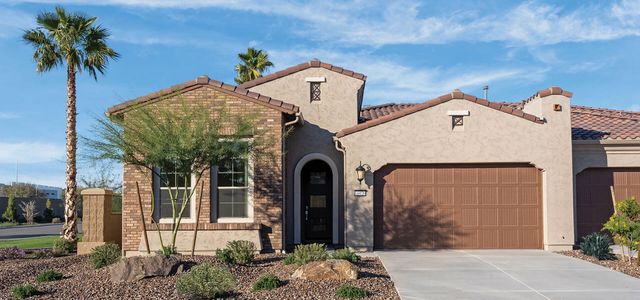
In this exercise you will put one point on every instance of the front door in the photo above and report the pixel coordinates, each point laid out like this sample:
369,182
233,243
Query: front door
317,201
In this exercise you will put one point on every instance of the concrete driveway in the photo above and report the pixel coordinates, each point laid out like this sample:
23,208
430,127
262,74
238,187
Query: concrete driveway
503,274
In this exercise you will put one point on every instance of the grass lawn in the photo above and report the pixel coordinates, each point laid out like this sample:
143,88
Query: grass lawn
7,224
31,243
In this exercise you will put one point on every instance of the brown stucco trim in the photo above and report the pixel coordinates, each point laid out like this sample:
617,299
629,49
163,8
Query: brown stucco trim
214,84
300,67
456,94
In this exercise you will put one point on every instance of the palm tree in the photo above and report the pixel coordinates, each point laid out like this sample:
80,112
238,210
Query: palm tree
73,41
253,64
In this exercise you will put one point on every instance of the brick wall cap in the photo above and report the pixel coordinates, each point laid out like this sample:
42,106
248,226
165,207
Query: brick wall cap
96,191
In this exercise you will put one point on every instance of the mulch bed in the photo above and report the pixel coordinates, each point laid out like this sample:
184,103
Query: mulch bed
82,282
615,264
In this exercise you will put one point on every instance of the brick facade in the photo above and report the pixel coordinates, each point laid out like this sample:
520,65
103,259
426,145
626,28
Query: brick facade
267,196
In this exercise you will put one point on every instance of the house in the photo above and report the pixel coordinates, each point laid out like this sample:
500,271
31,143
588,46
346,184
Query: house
456,171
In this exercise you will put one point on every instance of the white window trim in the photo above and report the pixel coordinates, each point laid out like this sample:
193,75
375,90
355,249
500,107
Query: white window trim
192,206
315,79
250,192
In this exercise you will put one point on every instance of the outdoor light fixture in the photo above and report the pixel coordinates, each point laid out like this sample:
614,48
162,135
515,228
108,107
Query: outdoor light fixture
361,170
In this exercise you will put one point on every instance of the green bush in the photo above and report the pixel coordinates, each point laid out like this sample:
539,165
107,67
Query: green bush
24,291
304,254
205,281
347,291
63,247
597,245
168,250
237,252
346,254
9,214
47,214
104,255
49,275
224,255
265,283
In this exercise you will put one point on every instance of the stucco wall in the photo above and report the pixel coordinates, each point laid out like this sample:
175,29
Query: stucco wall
489,136
593,154
337,109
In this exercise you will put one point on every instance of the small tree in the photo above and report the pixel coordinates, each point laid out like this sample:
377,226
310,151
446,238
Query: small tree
624,225
29,211
48,212
188,138
9,214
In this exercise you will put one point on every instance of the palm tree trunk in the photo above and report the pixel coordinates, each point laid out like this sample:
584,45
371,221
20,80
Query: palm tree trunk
69,229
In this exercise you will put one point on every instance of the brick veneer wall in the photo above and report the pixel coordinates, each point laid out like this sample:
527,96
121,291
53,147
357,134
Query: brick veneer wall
267,199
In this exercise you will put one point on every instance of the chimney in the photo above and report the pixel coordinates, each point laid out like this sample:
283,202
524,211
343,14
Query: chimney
485,92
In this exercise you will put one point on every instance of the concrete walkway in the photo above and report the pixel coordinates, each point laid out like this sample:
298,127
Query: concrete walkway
503,274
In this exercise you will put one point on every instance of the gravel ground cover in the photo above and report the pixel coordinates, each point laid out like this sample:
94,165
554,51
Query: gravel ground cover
82,282
616,264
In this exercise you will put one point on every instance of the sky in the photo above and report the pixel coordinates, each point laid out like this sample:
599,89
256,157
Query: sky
411,51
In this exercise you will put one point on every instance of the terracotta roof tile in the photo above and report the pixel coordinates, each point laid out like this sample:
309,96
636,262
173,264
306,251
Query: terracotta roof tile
205,81
587,123
300,67
375,115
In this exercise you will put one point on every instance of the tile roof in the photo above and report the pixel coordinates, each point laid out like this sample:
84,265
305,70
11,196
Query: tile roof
587,123
216,85
396,111
297,68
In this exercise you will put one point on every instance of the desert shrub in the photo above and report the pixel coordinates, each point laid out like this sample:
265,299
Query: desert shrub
9,214
347,291
104,255
11,253
205,281
47,214
168,250
24,291
265,283
224,255
597,245
242,252
29,211
56,220
304,254
49,275
63,247
346,254
41,253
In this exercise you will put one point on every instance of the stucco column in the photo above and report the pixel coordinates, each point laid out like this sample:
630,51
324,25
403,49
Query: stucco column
99,224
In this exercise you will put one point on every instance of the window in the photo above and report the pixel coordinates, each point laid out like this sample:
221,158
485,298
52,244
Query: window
234,190
315,91
172,182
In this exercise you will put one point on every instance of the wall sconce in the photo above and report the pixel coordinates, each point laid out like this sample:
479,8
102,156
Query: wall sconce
361,170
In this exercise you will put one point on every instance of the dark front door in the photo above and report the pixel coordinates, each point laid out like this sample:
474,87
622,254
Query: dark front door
317,192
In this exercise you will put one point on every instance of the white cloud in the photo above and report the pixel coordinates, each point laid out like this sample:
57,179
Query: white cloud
391,81
378,23
5,115
635,107
13,21
30,152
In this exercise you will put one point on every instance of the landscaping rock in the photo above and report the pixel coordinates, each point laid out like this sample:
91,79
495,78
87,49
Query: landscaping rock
332,269
139,267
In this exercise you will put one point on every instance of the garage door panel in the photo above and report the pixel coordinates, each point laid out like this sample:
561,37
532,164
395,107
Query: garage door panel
466,207
594,204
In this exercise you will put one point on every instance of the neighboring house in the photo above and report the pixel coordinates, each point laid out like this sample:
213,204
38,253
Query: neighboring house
452,172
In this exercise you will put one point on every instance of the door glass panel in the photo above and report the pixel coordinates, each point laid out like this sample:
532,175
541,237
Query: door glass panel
318,201
318,177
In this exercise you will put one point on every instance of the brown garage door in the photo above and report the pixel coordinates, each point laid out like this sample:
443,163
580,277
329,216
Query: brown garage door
593,201
458,206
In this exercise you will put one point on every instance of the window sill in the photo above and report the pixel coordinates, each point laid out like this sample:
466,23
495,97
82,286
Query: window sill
170,221
234,220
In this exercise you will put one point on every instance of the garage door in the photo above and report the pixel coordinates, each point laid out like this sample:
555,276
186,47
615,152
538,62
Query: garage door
458,206
593,202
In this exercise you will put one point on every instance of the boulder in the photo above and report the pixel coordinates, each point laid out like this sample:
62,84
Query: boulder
327,270
139,267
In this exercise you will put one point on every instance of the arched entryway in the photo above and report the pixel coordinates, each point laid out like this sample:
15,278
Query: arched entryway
316,200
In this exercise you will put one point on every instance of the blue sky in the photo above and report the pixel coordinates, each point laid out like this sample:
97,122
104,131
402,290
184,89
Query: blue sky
411,51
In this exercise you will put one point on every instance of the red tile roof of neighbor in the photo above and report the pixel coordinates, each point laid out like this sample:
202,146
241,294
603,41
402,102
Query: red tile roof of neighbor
216,85
303,66
587,123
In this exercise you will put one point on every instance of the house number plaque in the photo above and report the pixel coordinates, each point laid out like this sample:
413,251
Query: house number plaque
360,193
